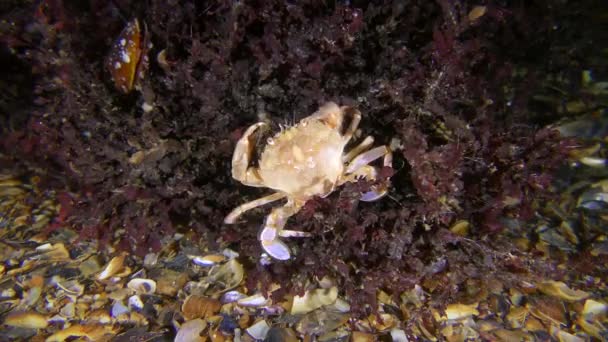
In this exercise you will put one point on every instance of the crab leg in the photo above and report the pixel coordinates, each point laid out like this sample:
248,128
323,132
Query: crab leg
273,229
241,158
238,211
369,156
354,123
364,145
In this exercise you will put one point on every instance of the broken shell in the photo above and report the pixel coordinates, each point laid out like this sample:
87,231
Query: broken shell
563,336
91,332
170,282
512,335
253,301
460,228
476,13
592,327
118,308
398,335
161,59
137,158
594,308
200,307
414,296
517,317
458,311
56,252
119,294
8,293
137,319
276,334
31,320
384,322
561,290
191,331
548,310
209,260
31,296
71,288
230,254
142,286
231,297
229,274
68,310
259,330
341,306
113,267
320,322
89,266
57,319
359,336
135,303
100,316
534,324
313,300
273,310
150,260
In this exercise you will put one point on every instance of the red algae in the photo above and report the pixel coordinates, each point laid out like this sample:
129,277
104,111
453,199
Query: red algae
453,95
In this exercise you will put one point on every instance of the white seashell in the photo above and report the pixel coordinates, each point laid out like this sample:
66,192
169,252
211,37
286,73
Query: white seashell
341,305
8,293
229,274
259,330
313,300
72,288
57,319
135,303
231,297
191,331
594,308
253,301
150,259
273,310
139,274
113,267
31,320
208,260
118,308
229,253
43,248
237,335
68,310
142,286
398,335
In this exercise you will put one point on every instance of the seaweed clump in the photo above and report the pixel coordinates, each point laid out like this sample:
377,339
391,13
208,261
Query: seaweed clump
449,85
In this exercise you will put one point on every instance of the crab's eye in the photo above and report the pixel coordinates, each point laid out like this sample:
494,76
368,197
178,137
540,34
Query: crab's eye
125,57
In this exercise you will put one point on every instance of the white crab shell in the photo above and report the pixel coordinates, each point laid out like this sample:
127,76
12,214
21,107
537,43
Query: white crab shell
304,160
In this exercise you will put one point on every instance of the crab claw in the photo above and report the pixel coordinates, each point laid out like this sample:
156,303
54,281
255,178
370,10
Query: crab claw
276,249
375,194
271,243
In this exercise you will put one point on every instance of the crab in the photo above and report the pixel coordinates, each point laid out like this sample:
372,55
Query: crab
301,162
